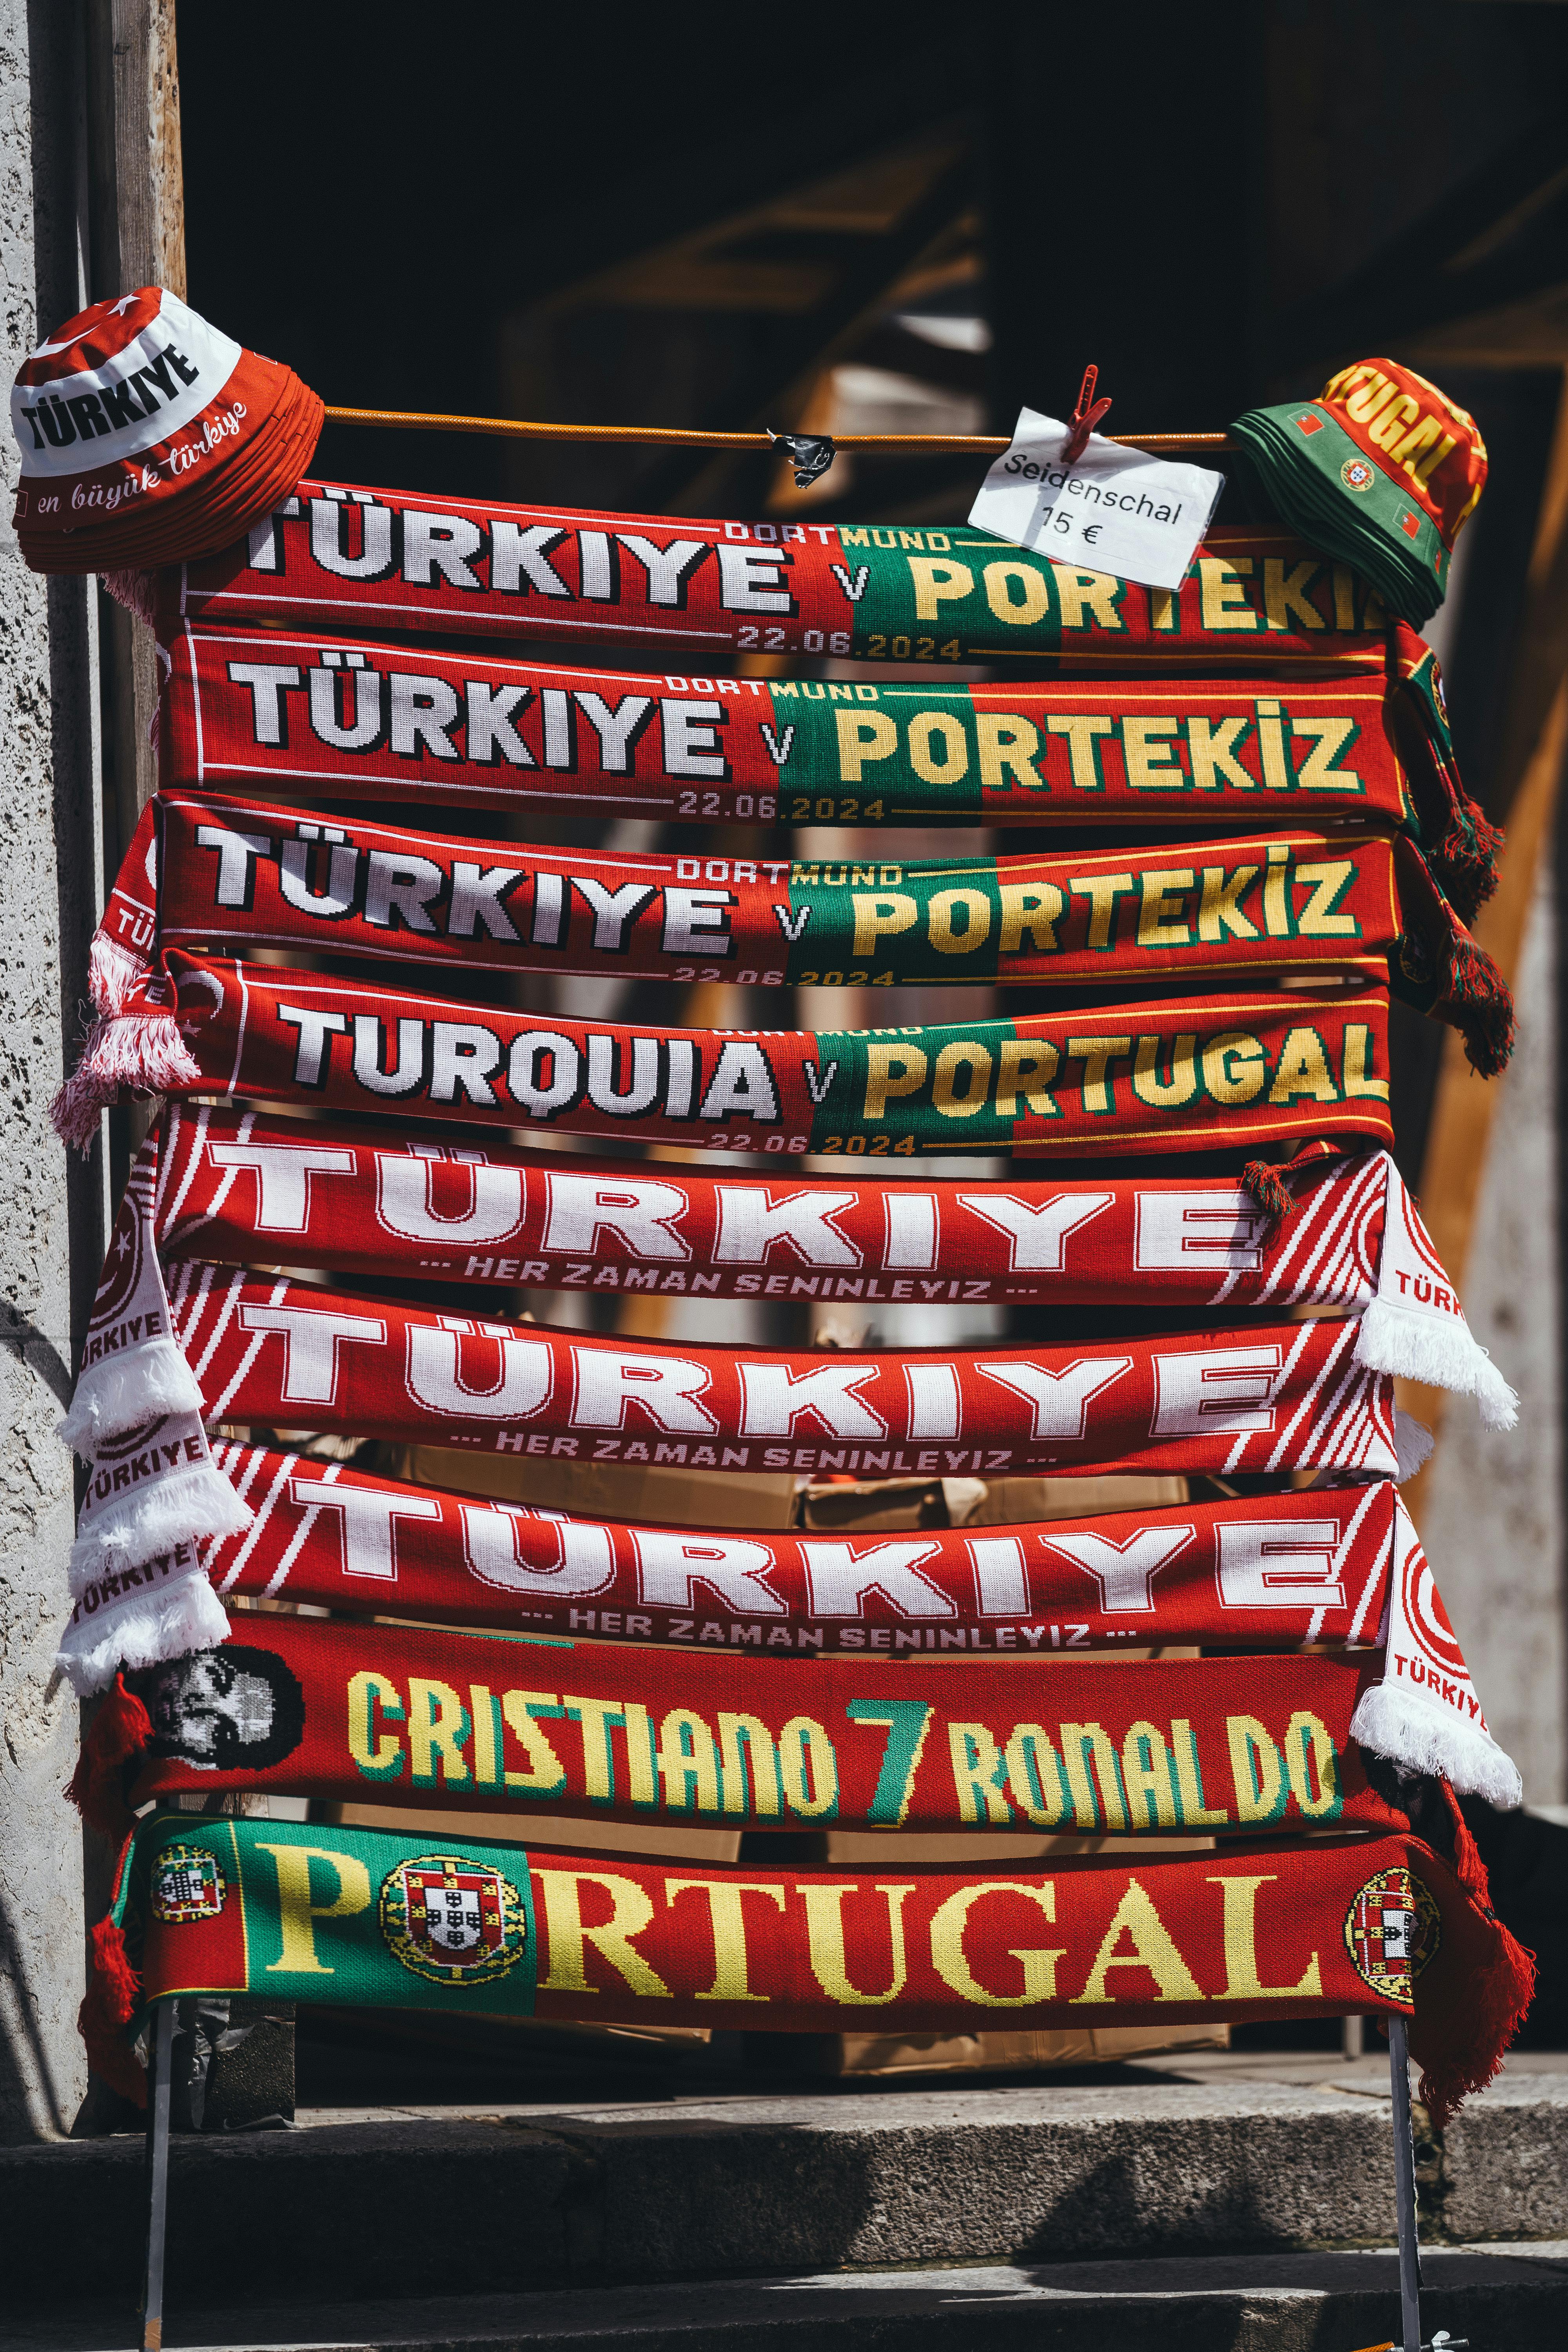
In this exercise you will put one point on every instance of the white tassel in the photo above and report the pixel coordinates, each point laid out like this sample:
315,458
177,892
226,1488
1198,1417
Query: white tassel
1443,1356
1412,1444
142,1050
122,1391
1425,1738
112,972
182,1508
163,1624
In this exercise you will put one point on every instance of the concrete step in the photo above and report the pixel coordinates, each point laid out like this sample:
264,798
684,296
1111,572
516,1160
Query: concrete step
577,2196
1503,2298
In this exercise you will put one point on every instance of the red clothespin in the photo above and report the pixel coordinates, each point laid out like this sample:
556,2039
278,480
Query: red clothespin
1084,419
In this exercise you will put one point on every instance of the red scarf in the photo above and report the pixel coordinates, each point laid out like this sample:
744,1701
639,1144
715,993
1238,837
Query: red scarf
1259,1397
1310,1928
422,1715
240,874
246,710
1191,1074
340,558
240,1188
1334,1566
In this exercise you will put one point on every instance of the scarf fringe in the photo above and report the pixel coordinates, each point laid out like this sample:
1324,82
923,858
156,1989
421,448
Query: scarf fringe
113,1998
1482,1007
1468,858
1475,2039
136,591
1425,1737
112,972
120,1392
119,1733
1413,1445
182,1508
1264,1179
168,1623
142,1050
1417,1348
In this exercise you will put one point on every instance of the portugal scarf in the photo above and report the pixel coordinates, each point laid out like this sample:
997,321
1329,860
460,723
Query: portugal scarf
236,1187
1315,1927
422,1716
250,711
1333,1568
206,872
1240,1072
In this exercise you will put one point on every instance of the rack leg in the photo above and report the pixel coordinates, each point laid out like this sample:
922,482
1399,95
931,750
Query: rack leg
1405,2187
1351,2043
158,2193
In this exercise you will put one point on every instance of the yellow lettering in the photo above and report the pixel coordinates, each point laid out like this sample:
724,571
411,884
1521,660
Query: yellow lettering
1242,1981
378,1755
824,1941
943,936
1257,1770
739,1733
977,1773
968,1054
1093,592
1358,1052
924,732
1106,1810
1030,910
688,1762
1080,734
1219,908
1034,1775
1148,1776
951,1961
1162,1094
1025,1066
1196,1813
881,915
567,1932
891,1070
1211,744
1235,1068
437,1727
727,1916
1153,1949
597,1717
1224,604
1318,772
1008,745
1285,592
938,583
1316,1789
1151,763
808,1766
297,1914
1326,881
1158,913
1102,891
863,735
1097,1053
1303,1070
546,1775
1019,613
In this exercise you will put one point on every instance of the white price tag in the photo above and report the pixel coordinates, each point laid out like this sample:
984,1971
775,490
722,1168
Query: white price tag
1113,509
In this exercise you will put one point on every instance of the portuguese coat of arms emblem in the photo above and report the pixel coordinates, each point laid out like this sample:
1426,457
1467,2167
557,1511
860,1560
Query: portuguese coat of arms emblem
187,1883
453,1921
1392,1930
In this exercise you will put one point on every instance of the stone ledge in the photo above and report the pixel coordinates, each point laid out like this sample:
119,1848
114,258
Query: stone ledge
1287,2303
735,2186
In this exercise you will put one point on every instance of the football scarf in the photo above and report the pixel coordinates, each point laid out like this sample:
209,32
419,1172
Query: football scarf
421,1716
344,559
1382,469
1332,1566
1242,1072
239,1188
1319,1926
147,436
290,714
206,872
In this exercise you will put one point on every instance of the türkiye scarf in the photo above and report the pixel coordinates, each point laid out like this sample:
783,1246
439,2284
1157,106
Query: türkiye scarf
1331,1567
224,873
146,435
416,1715
1313,1927
238,1188
344,558
1188,1074
389,722
720,1735
1382,469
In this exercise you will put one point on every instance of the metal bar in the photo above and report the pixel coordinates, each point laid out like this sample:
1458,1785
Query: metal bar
678,438
158,2193
1405,2186
1353,2038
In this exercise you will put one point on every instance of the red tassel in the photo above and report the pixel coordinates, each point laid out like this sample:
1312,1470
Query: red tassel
120,1731
1466,859
113,1996
1265,1180
1496,1999
1480,994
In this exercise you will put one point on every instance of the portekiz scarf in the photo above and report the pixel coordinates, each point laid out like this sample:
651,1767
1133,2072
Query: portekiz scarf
421,1716
342,558
210,872
1332,1566
291,714
1244,1070
240,1188
1310,1928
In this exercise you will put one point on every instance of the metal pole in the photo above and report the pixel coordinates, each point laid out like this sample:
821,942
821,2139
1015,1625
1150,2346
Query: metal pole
1405,2186
158,2195
1353,2043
